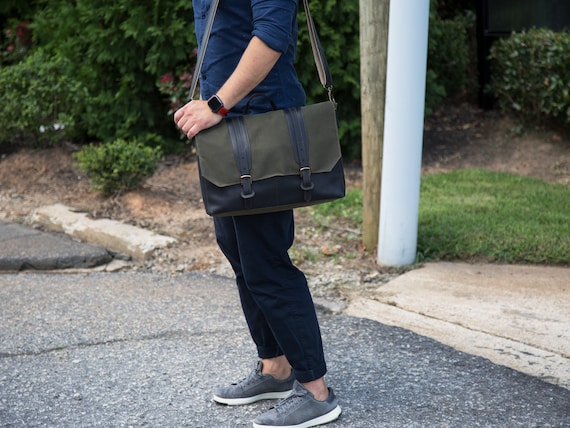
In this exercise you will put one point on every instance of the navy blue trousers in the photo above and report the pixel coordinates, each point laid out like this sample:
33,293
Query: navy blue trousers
274,294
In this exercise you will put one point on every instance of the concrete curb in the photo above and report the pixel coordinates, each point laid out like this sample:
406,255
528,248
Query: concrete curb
516,316
118,237
548,366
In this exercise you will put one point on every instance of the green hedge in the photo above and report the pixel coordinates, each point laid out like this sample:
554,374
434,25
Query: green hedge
40,100
120,49
531,75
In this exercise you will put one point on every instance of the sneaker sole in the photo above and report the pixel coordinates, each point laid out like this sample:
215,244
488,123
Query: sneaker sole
324,419
252,399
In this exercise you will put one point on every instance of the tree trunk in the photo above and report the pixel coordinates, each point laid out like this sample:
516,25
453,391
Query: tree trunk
374,16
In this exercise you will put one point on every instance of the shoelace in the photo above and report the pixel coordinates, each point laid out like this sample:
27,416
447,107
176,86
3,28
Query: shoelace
250,378
290,401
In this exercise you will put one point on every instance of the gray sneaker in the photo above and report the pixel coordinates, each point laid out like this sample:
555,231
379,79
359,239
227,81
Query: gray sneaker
256,386
300,410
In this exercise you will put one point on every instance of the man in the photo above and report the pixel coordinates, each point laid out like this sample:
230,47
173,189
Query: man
251,50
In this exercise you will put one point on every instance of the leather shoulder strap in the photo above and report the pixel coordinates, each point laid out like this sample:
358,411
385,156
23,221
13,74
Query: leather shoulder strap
203,46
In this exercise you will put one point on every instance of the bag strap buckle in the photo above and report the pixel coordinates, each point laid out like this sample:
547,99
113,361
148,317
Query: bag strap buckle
306,183
247,188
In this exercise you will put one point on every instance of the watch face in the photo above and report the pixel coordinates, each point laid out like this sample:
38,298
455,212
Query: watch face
215,104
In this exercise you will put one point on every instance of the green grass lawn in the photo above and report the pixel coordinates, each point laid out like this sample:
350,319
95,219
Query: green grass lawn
478,215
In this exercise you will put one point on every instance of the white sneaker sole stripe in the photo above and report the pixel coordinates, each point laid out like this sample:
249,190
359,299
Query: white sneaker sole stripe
252,399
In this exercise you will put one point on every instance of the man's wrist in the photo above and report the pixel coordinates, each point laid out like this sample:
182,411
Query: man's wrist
217,105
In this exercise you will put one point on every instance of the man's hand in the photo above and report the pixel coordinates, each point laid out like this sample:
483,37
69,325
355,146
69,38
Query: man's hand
256,62
195,117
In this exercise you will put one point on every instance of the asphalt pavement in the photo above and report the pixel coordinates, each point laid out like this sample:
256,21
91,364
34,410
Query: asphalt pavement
126,349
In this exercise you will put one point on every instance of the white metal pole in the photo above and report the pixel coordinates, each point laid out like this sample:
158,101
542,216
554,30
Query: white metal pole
403,131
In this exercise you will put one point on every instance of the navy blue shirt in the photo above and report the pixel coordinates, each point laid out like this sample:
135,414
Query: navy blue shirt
236,22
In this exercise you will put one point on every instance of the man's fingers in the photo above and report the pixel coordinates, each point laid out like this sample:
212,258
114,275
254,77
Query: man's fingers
192,119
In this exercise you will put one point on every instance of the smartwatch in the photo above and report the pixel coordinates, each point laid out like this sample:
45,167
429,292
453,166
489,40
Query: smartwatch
217,106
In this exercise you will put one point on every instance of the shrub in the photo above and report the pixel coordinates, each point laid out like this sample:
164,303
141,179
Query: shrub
448,57
119,165
531,75
119,48
39,100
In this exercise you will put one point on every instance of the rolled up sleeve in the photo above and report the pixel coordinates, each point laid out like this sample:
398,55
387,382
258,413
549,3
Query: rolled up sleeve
274,22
